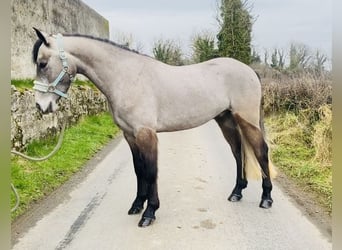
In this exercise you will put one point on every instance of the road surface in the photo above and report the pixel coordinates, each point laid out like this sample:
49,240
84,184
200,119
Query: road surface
196,175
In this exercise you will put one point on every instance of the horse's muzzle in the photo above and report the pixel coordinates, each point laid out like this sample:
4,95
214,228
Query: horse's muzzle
46,111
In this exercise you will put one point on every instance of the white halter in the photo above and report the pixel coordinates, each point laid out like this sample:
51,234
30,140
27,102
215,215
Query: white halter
43,87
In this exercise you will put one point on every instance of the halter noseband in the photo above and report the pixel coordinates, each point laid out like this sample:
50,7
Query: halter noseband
51,87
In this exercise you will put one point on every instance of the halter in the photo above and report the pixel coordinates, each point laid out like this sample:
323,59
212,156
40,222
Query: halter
51,87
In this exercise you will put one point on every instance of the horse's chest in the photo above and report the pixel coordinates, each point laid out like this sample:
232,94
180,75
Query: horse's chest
131,120
122,123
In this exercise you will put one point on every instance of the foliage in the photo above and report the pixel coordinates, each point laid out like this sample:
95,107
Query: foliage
318,61
234,37
299,57
168,51
299,117
203,47
322,136
277,59
78,82
294,93
37,179
297,60
294,152
255,57
22,84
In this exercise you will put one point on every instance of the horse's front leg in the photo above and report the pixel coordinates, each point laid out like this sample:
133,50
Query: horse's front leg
141,197
145,163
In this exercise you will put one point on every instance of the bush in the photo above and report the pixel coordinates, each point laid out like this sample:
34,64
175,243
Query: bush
299,124
286,93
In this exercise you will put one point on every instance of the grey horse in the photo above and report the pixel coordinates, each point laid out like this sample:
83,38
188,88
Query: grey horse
146,96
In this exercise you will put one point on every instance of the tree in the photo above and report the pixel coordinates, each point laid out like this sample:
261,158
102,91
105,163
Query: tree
266,57
274,59
278,59
203,47
318,62
168,52
255,57
234,37
299,57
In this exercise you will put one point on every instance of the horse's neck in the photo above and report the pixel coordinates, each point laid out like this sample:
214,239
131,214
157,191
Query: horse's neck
98,61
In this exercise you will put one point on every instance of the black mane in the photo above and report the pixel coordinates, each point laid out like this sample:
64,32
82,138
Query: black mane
38,43
104,40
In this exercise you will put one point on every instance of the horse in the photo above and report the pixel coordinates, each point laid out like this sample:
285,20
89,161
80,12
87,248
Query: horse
146,97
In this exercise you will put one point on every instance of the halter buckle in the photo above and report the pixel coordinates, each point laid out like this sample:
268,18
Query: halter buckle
51,88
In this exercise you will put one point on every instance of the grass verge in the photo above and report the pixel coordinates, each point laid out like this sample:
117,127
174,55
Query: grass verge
294,153
24,84
35,180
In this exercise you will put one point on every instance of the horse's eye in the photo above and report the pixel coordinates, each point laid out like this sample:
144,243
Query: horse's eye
42,65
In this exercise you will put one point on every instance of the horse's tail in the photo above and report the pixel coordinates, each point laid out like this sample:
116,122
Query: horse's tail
252,168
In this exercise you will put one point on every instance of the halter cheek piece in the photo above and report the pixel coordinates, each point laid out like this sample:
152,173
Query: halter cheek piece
51,87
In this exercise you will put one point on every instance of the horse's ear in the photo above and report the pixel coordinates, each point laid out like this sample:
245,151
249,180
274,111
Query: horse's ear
41,36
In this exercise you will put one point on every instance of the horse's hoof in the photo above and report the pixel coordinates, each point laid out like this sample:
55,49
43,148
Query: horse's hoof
135,210
234,197
146,221
267,203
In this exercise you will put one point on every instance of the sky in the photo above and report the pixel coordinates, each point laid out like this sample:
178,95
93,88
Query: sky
278,22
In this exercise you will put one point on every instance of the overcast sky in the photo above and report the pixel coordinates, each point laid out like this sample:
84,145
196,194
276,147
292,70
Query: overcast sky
278,23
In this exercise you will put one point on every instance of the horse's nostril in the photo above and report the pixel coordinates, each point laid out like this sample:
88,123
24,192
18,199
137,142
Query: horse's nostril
38,106
49,110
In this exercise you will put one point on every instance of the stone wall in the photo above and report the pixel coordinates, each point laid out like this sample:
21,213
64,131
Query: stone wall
28,124
60,16
52,17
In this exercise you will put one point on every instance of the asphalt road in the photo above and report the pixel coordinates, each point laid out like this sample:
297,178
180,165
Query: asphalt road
196,175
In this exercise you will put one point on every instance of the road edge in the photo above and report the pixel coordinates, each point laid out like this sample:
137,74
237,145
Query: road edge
24,222
306,202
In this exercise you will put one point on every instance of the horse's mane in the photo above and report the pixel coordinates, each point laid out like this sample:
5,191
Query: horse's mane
39,42
105,41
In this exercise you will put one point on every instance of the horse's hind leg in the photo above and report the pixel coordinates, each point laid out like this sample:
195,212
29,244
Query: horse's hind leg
230,131
256,139
146,145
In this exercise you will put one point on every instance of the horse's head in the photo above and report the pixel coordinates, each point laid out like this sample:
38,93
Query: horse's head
55,71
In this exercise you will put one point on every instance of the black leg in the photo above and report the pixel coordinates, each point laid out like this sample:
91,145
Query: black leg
141,197
231,133
144,150
256,139
266,199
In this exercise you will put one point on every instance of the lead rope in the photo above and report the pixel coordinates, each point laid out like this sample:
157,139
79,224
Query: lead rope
17,198
54,151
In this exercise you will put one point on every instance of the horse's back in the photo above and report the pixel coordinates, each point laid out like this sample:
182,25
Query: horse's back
194,94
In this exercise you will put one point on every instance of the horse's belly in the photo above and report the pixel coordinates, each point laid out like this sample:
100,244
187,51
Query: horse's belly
186,120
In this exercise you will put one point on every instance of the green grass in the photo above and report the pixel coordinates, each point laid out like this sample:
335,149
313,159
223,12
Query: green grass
35,180
24,84
292,151
88,83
